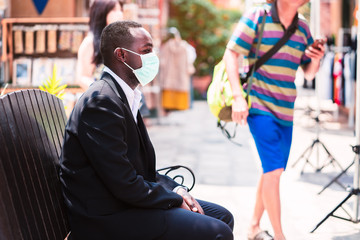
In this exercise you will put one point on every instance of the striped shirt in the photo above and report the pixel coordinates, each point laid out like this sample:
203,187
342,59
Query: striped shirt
273,91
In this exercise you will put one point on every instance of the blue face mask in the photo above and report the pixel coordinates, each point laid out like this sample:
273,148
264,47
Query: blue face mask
149,68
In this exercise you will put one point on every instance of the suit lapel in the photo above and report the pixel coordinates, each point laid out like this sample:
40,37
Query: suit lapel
144,133
107,77
149,147
140,126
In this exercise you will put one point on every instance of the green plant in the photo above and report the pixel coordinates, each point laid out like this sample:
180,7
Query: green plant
204,26
3,91
52,85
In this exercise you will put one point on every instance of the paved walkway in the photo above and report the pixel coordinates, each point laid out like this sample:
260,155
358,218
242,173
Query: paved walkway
227,174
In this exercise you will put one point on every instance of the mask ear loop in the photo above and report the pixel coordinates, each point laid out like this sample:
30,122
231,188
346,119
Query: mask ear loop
129,66
131,51
124,61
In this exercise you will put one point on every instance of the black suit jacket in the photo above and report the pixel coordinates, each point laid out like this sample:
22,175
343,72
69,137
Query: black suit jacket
107,170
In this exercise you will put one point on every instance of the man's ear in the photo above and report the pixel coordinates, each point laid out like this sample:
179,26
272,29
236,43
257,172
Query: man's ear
119,54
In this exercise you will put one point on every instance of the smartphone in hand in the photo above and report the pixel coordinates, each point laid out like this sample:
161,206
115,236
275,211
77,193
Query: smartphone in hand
317,43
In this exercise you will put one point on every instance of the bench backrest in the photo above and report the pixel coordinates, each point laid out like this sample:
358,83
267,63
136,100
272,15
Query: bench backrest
32,124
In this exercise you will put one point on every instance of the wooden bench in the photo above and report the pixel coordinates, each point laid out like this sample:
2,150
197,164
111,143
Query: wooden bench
32,124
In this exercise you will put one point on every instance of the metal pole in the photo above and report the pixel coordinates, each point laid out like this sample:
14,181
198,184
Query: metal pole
315,18
357,122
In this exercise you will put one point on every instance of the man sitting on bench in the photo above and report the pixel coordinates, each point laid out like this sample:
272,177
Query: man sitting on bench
110,185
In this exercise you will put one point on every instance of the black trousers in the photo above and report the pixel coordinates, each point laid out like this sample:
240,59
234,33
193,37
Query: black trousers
216,224
181,224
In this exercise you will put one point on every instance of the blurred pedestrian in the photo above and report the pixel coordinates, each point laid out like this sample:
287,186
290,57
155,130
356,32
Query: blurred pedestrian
90,62
272,95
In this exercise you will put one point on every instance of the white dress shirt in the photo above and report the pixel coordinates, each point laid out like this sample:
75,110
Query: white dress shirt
133,96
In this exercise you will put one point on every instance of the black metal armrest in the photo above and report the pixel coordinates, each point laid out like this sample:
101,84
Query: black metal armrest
181,174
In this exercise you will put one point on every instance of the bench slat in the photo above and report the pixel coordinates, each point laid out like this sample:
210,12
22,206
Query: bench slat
32,124
8,215
41,175
15,172
28,163
49,140
42,115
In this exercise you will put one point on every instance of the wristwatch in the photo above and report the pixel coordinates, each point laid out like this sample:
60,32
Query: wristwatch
180,186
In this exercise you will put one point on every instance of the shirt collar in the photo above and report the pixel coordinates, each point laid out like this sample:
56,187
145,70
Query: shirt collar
275,15
133,96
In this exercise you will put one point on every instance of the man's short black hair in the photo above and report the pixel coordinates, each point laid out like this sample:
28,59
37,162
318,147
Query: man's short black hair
115,35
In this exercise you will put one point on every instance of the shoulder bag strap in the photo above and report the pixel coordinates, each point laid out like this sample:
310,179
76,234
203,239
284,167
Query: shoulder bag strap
252,70
288,33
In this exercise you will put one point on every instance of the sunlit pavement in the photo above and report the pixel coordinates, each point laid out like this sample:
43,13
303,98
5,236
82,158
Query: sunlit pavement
227,174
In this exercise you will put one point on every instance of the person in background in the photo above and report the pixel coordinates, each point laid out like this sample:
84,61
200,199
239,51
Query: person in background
107,165
90,62
272,95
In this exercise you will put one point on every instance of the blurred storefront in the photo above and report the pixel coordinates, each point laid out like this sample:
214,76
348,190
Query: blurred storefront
38,34
336,81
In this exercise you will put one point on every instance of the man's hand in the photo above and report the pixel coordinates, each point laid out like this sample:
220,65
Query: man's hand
315,54
240,110
189,202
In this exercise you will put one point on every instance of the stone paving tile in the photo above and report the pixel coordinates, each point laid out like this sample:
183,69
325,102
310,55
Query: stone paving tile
228,174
